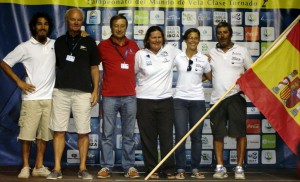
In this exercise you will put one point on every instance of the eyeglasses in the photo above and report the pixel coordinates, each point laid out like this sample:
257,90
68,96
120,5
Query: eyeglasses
189,68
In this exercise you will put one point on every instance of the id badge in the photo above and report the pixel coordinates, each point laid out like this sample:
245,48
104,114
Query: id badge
70,58
124,66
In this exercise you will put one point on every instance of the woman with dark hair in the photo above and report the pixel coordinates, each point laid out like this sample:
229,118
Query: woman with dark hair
155,116
189,101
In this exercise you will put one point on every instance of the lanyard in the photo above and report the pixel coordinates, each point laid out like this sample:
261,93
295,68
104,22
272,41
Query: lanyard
71,49
126,52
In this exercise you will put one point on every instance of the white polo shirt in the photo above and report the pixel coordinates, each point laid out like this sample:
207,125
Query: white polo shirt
227,67
189,83
39,62
155,72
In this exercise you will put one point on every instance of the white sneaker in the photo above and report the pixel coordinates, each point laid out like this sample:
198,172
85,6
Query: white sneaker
220,173
25,172
239,173
43,172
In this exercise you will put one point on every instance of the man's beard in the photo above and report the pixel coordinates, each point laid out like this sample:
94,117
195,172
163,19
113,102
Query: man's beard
42,38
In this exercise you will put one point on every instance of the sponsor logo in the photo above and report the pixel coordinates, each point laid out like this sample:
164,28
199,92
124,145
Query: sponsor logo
189,18
220,17
73,156
268,141
253,125
173,32
106,32
206,157
251,33
205,18
251,18
236,18
93,141
205,32
268,157
252,157
253,48
267,33
233,157
93,17
237,33
229,143
266,126
264,46
253,141
141,17
207,141
173,18
157,17
139,32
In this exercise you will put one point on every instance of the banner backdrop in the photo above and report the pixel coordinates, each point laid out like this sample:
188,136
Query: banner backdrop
256,24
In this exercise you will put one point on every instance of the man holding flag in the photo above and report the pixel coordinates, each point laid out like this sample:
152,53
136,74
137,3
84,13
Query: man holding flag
228,62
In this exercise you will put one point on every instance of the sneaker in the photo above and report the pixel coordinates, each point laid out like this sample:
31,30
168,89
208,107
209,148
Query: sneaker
103,173
220,173
43,172
197,175
25,172
54,175
132,173
239,173
180,175
84,175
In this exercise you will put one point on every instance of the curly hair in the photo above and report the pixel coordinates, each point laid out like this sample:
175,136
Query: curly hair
34,21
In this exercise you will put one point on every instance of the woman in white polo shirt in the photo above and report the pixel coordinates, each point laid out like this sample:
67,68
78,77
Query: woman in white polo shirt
189,101
155,114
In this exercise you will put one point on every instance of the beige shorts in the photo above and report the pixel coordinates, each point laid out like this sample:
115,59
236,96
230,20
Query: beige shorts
34,120
67,101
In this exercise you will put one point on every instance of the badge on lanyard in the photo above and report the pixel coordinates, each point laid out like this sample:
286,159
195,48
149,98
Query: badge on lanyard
124,66
70,58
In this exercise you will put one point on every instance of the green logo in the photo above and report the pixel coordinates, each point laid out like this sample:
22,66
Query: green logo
268,141
264,46
141,17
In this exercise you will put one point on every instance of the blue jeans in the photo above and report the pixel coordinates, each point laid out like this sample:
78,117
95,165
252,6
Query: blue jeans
126,105
187,114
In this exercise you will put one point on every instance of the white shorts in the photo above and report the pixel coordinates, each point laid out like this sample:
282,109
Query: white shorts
67,101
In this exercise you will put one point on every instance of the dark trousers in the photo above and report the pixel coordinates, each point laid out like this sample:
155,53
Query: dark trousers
155,120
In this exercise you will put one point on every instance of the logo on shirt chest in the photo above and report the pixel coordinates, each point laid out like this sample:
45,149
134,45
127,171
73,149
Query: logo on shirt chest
165,60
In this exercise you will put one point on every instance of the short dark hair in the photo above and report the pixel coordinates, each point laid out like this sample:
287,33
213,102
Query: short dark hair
34,20
117,17
224,24
149,31
190,30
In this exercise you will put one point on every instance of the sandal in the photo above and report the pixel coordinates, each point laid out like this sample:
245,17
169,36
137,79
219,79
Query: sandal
154,176
170,176
197,175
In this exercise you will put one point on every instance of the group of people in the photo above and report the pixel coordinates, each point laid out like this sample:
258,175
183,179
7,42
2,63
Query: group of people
137,83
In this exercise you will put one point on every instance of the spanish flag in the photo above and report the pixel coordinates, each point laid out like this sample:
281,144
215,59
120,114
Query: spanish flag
273,85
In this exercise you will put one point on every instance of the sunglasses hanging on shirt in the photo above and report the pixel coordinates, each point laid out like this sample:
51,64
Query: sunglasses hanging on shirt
189,68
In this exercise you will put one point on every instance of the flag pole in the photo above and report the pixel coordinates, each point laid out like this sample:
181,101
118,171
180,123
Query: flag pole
189,132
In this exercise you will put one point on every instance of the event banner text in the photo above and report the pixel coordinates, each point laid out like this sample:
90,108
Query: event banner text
245,4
